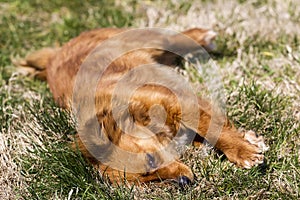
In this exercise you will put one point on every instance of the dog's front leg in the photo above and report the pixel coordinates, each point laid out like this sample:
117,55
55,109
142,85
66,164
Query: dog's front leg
245,149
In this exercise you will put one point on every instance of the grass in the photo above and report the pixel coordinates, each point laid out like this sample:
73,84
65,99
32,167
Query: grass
258,55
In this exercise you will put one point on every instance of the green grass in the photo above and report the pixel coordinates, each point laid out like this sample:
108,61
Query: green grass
262,90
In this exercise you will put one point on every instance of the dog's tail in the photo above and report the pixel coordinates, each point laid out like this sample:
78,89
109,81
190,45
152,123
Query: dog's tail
35,64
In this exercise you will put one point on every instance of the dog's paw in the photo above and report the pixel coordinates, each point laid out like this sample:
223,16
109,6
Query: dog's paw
246,150
256,140
252,153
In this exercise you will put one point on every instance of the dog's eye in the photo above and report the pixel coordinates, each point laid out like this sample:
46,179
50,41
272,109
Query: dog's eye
151,161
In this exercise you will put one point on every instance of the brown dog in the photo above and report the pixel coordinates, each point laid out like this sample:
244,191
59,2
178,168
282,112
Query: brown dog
140,138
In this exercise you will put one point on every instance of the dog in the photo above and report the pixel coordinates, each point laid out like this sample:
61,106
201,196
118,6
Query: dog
138,143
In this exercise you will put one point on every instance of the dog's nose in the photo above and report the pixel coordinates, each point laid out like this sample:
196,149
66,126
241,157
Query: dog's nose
183,181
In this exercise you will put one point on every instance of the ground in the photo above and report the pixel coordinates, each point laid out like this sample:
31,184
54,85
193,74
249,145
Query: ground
258,56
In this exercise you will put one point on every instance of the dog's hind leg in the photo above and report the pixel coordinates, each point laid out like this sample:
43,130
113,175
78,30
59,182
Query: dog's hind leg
35,64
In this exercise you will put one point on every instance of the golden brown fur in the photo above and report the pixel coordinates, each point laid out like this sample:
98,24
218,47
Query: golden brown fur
62,66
